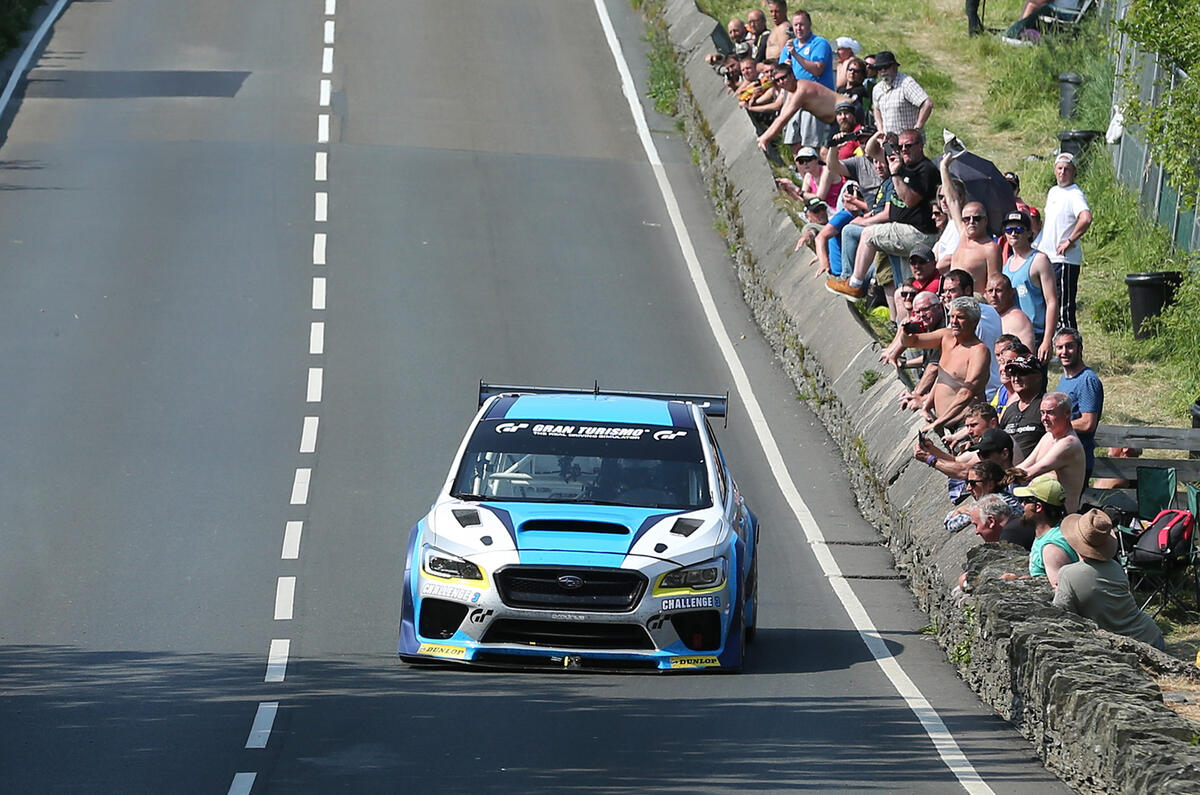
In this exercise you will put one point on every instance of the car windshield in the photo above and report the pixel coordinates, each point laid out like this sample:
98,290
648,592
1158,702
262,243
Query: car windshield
649,466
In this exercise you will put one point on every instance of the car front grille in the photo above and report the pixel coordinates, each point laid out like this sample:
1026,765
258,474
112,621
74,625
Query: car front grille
568,634
554,588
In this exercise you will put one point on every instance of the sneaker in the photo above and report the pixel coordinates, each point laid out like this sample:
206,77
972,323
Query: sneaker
842,287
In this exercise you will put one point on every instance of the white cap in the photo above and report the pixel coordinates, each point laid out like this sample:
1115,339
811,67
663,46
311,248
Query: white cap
848,43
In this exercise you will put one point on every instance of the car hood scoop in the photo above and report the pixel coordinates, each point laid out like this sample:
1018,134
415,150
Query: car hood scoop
573,526
601,529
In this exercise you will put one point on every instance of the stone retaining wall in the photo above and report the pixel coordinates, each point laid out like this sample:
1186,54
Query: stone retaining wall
1080,695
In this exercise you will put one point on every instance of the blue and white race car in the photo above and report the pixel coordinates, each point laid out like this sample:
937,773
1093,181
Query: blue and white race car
585,529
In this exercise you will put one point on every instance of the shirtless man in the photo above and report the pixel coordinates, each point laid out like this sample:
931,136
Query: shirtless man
963,367
1013,321
812,97
781,29
1059,452
977,253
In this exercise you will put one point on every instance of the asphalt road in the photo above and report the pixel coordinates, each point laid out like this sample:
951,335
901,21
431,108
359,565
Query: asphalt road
488,213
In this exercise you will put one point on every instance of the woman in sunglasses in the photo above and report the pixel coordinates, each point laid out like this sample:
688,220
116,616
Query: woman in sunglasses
1033,281
983,478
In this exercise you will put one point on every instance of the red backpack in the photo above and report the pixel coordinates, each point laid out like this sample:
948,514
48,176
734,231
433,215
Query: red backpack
1168,537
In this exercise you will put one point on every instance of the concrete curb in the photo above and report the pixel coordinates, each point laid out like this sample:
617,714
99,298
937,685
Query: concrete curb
1094,716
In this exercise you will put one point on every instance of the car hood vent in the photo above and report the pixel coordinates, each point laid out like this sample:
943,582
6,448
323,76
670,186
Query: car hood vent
467,517
685,527
573,526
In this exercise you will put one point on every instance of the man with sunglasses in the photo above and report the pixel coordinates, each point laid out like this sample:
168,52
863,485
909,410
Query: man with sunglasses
1032,278
976,252
1022,417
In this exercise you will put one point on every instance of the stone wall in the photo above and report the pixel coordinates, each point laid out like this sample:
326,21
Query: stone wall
1080,695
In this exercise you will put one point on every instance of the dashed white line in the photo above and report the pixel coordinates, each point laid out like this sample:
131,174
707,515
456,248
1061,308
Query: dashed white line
940,736
291,540
264,719
319,248
285,597
242,784
329,31
277,660
315,380
325,94
321,207
323,128
327,61
318,295
321,167
300,485
316,338
330,7
308,436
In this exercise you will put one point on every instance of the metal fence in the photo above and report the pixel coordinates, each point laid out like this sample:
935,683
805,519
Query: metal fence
1130,159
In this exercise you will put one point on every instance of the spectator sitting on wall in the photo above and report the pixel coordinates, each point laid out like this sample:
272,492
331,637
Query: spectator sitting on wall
829,239
1022,417
1006,349
926,312
990,516
1059,451
1096,587
1043,501
816,216
963,367
994,445
984,478
980,416
1085,390
740,40
1002,297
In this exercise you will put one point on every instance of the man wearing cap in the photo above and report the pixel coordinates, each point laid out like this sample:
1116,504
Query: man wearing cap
811,58
845,50
898,101
816,216
993,445
1033,282
845,140
1043,501
1096,587
1022,417
1059,451
1000,295
926,277
1065,219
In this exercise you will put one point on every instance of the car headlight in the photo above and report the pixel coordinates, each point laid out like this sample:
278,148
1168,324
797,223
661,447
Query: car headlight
442,564
702,576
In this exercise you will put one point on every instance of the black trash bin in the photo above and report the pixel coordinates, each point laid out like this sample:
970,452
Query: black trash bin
1149,294
1076,141
1068,94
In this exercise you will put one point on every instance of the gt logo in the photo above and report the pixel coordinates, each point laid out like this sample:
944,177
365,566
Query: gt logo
655,622
479,615
666,436
511,427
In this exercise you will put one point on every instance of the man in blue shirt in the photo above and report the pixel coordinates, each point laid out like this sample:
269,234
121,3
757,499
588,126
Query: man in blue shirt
1082,384
811,58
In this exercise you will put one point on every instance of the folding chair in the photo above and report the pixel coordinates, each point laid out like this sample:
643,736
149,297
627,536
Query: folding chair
1167,574
1155,490
1064,12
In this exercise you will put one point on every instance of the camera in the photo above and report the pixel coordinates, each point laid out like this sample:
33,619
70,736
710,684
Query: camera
914,328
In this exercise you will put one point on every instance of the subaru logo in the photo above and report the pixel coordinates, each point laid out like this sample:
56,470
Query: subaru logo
570,582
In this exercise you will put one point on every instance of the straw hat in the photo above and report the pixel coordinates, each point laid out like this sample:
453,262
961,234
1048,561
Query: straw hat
1090,534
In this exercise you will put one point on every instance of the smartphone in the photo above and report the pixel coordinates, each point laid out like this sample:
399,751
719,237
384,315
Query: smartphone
914,328
889,150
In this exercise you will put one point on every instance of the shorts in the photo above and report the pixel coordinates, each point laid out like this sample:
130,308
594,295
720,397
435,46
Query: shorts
900,239
813,132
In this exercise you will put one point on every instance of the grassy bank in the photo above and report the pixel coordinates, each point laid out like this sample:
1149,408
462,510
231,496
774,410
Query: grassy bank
1003,101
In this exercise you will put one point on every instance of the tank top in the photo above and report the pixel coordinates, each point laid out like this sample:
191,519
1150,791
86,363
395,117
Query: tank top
1029,295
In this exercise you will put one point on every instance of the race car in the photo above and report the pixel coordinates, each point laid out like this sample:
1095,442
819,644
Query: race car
585,529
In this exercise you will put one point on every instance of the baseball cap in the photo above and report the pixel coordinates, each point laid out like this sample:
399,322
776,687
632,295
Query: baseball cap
807,151
1045,488
993,439
845,104
1018,217
815,204
1065,157
923,253
848,43
1023,365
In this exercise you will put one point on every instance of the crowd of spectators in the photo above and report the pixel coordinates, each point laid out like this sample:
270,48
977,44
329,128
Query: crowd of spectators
888,224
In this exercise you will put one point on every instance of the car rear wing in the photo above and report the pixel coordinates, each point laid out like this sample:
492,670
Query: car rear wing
712,405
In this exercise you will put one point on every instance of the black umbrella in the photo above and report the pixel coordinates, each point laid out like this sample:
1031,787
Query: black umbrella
986,184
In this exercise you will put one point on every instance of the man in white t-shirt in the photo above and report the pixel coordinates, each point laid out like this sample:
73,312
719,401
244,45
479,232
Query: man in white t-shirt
1065,218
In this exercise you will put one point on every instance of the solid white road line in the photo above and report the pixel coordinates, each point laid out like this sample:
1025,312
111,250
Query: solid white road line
316,338
319,248
327,61
323,128
943,741
321,167
242,784
308,436
321,207
260,730
285,598
318,298
300,486
315,378
329,31
291,540
277,659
